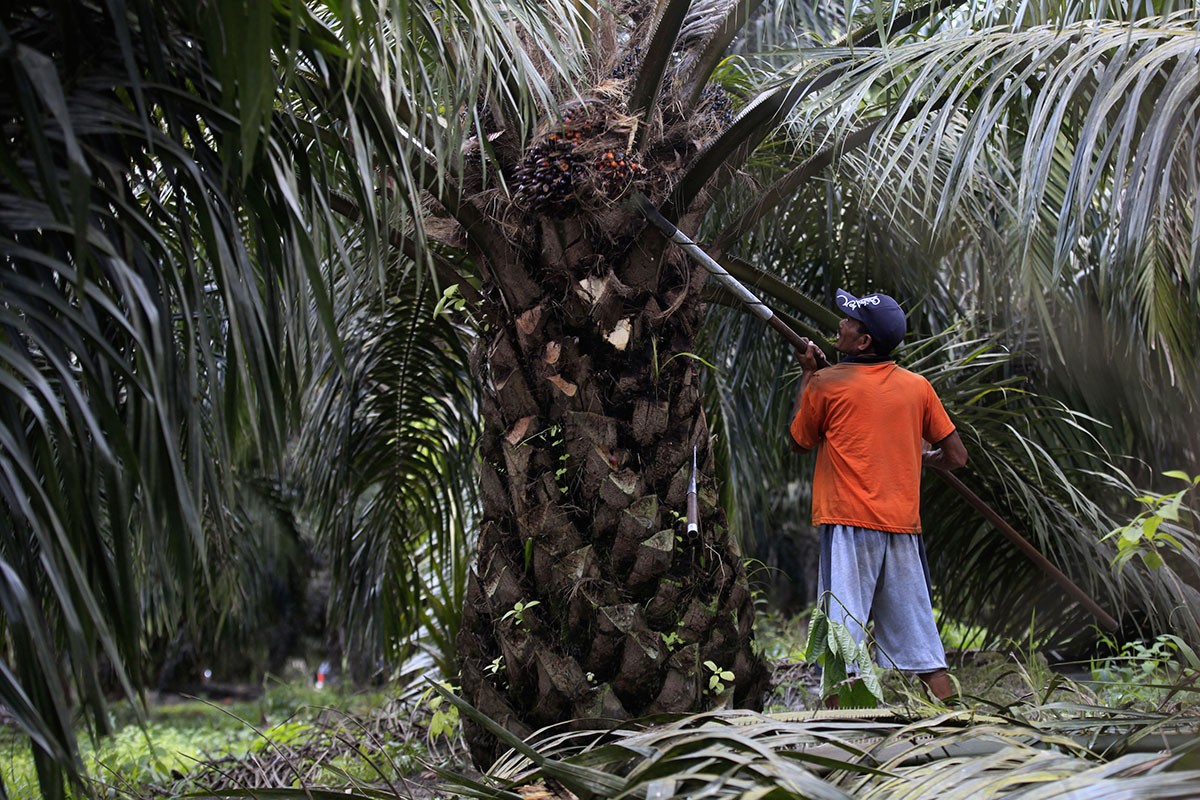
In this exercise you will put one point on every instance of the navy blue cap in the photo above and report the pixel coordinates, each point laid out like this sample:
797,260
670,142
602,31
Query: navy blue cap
882,316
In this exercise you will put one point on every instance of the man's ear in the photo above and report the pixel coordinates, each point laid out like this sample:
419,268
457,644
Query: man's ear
867,345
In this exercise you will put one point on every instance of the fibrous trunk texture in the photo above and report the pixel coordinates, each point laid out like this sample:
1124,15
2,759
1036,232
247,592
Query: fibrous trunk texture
589,599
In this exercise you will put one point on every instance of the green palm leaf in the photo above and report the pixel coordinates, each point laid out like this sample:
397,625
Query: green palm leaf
385,453
158,253
658,55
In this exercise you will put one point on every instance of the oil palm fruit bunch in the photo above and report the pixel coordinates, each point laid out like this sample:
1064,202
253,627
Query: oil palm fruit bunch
581,164
545,178
719,104
614,171
628,65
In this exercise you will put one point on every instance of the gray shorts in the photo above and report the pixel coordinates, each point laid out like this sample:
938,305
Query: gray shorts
874,575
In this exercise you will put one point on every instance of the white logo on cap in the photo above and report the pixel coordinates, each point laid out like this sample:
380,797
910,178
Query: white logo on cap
873,300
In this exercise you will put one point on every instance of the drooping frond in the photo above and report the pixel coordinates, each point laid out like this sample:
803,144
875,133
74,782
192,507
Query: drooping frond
386,454
163,235
1097,123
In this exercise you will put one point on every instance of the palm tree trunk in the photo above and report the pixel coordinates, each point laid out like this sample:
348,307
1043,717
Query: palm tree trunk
589,599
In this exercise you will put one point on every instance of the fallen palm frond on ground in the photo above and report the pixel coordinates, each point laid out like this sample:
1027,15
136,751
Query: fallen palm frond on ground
1053,752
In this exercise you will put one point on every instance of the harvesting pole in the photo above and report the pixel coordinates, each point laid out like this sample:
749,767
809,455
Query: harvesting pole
643,206
646,209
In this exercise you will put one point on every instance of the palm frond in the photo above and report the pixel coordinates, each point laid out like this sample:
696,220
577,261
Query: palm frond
786,187
386,452
658,56
716,42
833,756
160,236
813,70
733,146
1108,122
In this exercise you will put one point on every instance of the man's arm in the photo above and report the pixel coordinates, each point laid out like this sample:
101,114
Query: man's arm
947,454
811,360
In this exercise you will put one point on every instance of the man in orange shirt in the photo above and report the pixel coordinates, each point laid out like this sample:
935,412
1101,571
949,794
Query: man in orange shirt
870,420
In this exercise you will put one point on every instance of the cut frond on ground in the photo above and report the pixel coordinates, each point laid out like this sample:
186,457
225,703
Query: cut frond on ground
831,754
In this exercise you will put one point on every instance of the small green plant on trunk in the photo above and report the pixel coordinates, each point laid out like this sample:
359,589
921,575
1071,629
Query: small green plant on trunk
719,678
517,612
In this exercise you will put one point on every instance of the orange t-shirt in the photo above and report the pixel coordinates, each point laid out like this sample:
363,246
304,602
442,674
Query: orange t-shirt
869,420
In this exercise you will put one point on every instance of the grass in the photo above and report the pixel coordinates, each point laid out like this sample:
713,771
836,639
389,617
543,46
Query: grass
1160,676
291,735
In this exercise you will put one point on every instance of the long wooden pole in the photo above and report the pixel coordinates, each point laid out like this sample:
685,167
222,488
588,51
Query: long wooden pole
1026,547
647,209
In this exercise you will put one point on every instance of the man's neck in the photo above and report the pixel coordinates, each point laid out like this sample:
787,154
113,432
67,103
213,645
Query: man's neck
865,358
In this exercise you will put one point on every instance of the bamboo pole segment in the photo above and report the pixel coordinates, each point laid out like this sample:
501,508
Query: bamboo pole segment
693,502
757,307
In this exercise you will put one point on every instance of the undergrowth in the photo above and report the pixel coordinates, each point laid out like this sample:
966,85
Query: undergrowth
295,736
291,736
